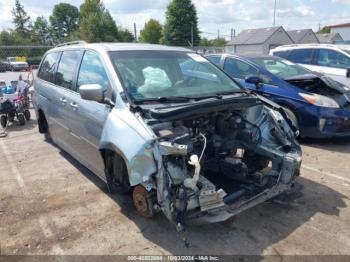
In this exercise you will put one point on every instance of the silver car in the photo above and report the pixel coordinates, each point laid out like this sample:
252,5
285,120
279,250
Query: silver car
167,124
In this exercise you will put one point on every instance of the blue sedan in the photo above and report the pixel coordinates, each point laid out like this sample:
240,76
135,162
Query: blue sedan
316,104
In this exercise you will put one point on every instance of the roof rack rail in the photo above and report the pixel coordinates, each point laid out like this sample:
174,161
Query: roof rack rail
71,43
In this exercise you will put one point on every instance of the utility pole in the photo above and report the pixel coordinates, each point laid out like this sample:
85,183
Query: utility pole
135,32
274,14
218,34
231,34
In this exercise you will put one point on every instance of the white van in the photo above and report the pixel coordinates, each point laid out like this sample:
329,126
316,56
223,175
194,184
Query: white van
332,60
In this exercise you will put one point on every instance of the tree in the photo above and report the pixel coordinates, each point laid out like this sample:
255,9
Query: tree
64,20
96,24
7,38
181,24
152,32
324,30
41,32
21,20
124,35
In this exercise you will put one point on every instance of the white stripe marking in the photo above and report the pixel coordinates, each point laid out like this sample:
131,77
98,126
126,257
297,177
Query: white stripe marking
326,173
13,167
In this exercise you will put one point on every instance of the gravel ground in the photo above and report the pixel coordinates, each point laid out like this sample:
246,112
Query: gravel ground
50,204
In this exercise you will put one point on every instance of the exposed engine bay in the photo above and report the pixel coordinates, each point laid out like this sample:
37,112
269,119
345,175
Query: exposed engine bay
216,163
323,85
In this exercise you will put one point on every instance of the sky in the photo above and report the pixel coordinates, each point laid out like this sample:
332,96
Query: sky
215,16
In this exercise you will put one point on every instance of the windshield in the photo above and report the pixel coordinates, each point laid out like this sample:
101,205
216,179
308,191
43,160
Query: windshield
154,74
280,67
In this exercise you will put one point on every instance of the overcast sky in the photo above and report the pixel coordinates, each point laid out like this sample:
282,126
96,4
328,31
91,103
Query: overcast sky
213,15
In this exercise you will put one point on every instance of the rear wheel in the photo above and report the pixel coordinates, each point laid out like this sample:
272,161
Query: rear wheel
27,114
3,121
116,174
21,119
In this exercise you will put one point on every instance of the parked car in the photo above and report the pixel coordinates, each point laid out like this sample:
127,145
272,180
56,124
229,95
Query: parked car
191,143
331,60
3,66
14,65
316,104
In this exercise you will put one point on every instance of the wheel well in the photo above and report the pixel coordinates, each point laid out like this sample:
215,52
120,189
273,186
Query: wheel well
108,152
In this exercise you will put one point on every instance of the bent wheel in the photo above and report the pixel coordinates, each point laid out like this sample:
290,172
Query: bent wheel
143,201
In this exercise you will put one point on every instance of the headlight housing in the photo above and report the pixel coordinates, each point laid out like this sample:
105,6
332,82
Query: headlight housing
319,100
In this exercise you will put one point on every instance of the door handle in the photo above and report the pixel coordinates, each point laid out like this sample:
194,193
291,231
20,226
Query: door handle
74,105
63,100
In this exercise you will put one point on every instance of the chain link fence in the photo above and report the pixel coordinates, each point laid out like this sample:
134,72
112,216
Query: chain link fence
9,55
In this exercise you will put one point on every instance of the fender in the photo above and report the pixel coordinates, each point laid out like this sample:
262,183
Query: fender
128,136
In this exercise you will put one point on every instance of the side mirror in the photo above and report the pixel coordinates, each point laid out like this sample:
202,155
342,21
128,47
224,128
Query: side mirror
257,81
93,92
348,73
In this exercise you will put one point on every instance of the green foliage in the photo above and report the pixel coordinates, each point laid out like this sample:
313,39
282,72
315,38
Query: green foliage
7,38
324,30
181,19
41,32
64,20
96,24
151,33
21,21
213,42
124,35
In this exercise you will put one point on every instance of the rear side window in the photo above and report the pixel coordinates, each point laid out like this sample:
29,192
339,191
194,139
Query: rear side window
282,54
214,59
332,58
238,69
92,71
47,69
67,67
301,56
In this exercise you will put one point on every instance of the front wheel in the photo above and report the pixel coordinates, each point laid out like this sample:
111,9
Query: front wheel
116,174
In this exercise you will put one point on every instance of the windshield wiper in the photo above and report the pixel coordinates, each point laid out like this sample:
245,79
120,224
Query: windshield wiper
164,99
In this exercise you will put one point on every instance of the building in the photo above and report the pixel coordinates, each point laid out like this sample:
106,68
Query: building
342,29
303,36
329,38
258,41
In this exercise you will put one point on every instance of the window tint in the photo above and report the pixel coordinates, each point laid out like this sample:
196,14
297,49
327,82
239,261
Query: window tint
238,69
214,59
48,67
66,68
92,71
283,54
332,58
301,56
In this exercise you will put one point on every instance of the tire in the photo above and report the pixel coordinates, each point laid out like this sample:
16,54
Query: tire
116,174
3,121
292,116
27,115
21,119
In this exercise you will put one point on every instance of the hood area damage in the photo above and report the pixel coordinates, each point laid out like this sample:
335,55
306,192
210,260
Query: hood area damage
216,158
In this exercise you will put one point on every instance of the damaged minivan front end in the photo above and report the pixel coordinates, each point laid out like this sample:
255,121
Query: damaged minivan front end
217,159
213,150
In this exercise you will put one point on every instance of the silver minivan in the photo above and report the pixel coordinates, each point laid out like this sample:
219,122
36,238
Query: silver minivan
168,125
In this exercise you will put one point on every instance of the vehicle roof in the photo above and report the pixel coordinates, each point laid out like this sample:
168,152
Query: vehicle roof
119,47
296,46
